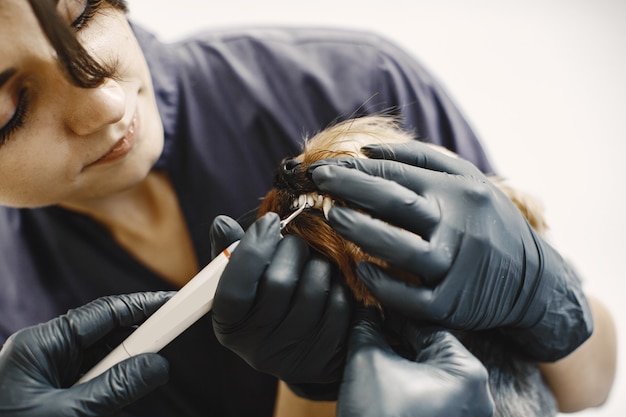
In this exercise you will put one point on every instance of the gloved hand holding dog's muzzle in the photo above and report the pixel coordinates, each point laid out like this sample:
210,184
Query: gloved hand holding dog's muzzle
481,263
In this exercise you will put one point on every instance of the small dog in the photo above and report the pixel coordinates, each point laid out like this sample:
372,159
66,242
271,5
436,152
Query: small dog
515,381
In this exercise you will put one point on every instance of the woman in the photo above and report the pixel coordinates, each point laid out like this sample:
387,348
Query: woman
114,166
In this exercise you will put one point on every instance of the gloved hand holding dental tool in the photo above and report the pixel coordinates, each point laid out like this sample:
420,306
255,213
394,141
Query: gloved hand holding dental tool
442,378
281,307
39,364
481,263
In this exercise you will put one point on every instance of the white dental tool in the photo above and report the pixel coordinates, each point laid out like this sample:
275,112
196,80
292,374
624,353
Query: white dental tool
190,303
293,215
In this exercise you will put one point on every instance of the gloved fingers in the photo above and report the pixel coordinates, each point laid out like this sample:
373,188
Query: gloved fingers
435,344
224,231
280,281
93,321
331,332
237,289
311,296
367,331
400,248
119,386
94,354
362,181
440,349
412,300
421,155
383,198
340,302
336,323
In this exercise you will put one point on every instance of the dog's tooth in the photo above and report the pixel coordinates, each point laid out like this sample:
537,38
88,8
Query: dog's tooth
301,200
327,203
310,200
319,199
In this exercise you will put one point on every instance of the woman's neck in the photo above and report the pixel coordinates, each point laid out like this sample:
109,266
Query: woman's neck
129,209
148,222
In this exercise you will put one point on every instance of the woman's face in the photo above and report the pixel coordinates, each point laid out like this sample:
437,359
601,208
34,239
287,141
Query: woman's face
60,143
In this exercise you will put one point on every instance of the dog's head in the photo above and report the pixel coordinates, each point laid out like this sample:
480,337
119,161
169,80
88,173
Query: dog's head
345,139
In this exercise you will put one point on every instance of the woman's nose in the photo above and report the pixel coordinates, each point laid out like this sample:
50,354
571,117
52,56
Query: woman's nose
92,109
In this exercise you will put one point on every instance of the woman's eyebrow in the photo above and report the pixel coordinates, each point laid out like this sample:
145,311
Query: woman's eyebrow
6,75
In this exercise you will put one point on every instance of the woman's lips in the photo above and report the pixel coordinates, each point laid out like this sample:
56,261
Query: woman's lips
122,147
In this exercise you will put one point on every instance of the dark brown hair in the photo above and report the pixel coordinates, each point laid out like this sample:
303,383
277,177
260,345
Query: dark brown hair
82,69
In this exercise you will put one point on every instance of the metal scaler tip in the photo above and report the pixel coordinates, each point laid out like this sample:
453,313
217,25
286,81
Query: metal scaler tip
293,215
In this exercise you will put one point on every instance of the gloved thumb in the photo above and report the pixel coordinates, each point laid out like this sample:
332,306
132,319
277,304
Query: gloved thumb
224,231
441,348
120,386
429,342
367,330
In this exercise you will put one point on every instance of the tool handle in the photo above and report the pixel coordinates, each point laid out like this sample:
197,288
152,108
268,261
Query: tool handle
190,303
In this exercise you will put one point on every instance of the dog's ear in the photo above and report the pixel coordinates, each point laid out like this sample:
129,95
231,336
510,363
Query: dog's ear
530,206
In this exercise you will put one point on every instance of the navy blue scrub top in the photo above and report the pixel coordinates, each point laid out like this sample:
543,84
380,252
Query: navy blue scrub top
233,104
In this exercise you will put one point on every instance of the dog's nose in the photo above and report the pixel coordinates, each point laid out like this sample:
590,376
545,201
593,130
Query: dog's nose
290,164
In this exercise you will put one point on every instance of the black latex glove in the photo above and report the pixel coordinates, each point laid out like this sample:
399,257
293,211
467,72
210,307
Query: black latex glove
39,364
442,379
483,265
281,307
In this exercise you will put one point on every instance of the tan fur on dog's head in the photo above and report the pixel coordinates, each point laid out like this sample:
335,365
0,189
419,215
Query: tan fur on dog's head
345,140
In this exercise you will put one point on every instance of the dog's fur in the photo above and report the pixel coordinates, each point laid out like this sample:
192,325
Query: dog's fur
515,381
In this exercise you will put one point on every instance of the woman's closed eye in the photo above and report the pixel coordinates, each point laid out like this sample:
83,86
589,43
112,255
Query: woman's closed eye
78,12
18,118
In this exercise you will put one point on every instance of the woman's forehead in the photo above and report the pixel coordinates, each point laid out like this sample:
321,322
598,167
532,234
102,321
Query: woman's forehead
16,21
20,33
14,9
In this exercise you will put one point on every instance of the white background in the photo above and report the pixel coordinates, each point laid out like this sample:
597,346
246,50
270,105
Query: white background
543,82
